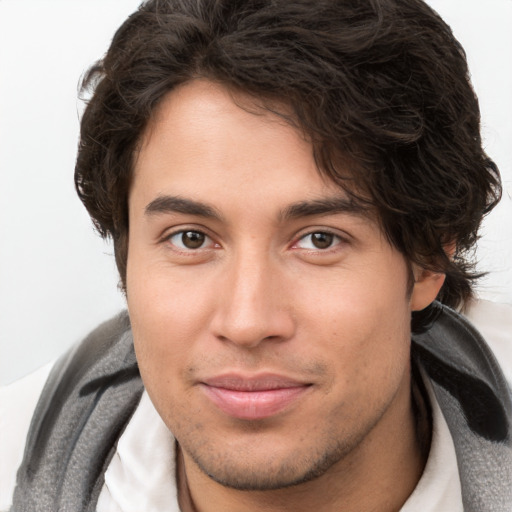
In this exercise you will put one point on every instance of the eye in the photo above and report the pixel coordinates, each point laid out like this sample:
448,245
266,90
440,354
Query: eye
319,240
190,240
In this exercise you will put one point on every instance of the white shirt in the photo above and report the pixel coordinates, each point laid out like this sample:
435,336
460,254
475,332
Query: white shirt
141,475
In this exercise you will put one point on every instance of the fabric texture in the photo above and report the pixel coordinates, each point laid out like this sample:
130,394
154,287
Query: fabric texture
92,393
439,489
476,402
17,403
141,475
87,401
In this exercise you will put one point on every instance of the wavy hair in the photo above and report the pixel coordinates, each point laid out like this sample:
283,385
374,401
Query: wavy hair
380,85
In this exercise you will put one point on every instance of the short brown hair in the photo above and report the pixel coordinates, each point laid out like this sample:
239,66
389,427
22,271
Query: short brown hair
382,84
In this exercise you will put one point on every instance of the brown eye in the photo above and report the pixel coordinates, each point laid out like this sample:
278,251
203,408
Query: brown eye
188,240
318,240
192,239
322,240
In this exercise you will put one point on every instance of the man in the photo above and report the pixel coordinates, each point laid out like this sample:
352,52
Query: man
289,186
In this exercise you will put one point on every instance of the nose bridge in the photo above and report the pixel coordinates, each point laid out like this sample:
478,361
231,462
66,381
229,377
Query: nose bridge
252,305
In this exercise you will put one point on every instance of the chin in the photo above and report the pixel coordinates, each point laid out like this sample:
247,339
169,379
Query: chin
244,473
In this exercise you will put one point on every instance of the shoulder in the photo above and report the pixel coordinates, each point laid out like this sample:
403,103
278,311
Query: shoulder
468,364
479,341
27,405
17,404
459,360
494,321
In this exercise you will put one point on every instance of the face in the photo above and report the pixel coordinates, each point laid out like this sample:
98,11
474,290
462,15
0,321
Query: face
270,317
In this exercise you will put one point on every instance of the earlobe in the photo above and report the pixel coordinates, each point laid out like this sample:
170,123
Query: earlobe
426,287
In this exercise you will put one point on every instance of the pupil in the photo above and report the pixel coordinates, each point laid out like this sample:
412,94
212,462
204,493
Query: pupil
322,240
192,239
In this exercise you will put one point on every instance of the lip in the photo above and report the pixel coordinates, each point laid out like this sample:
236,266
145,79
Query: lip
253,397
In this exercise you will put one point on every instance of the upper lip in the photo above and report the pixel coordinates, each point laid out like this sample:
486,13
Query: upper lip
260,382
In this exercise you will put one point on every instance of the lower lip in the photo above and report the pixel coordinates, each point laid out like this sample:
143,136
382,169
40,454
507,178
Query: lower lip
253,405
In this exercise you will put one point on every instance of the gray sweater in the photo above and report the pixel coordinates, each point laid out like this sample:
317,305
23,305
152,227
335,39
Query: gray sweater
94,389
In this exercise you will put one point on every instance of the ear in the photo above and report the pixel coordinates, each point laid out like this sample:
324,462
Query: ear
426,287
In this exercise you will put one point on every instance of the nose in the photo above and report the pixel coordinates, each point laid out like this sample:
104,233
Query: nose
252,303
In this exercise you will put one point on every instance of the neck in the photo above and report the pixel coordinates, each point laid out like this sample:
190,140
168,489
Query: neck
378,476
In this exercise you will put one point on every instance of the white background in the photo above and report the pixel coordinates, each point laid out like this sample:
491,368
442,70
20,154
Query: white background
57,278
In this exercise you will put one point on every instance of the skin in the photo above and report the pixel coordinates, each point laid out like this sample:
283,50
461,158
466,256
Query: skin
258,295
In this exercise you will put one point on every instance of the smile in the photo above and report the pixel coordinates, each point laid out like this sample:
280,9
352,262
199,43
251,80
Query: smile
253,398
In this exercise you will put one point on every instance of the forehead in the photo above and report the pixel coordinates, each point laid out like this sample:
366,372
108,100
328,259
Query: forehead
202,119
205,142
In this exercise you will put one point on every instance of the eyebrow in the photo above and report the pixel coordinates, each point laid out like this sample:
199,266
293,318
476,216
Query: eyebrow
316,207
176,204
325,206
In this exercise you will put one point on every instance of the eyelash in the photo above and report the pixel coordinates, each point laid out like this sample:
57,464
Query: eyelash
168,238
334,243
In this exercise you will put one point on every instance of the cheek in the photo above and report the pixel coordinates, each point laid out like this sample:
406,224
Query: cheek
168,317
161,300
361,324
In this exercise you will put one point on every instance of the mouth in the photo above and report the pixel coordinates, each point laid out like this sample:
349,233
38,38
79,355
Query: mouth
255,397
